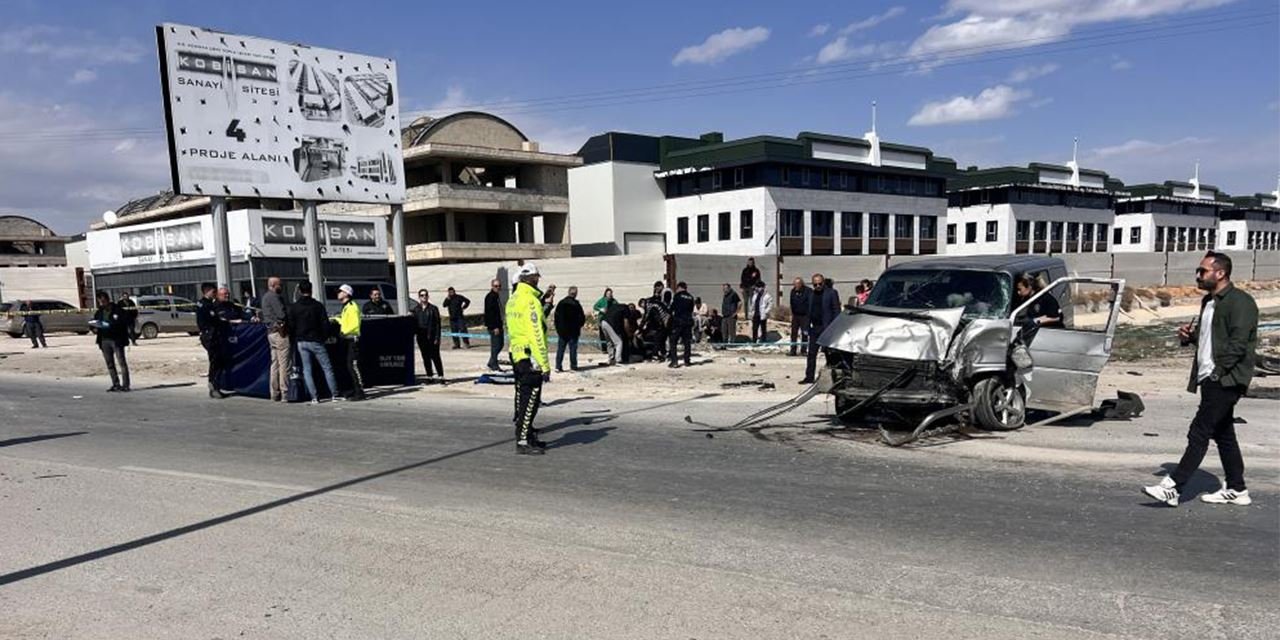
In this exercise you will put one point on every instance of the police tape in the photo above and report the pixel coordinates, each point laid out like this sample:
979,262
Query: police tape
11,313
600,343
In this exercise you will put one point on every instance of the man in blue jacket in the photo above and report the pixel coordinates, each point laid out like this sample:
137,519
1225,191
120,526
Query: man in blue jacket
824,308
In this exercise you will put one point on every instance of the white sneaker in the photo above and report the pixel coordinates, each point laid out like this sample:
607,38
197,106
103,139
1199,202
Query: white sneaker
314,401
1164,491
1228,496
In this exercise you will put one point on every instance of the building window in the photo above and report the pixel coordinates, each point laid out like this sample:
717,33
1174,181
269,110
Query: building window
844,180
1073,232
993,231
1055,232
821,223
1118,236
791,223
1023,231
1213,239
1087,233
904,227
1041,230
851,224
738,177
879,226
1135,235
1102,233
704,227
746,224
715,180
725,230
804,176
682,230
928,228
786,175
826,178
951,233
970,232
1160,233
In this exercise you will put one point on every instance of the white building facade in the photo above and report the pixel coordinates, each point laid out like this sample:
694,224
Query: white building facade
1251,224
1169,217
1043,208
815,194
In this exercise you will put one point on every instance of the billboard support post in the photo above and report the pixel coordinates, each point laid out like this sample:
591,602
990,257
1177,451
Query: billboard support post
402,266
311,234
221,241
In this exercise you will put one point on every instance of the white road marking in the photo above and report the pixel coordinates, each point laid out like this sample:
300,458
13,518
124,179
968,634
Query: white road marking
255,483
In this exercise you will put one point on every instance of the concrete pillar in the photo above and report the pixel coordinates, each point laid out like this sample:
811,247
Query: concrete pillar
311,234
837,227
915,236
221,241
866,233
808,232
402,265
450,227
892,232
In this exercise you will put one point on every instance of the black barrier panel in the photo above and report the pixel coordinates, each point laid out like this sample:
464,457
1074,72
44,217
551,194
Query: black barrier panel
386,358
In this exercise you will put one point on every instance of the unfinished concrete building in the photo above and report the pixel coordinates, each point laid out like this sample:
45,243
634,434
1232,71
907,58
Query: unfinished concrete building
478,189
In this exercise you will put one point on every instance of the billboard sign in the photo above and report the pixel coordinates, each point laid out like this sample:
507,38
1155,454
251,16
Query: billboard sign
259,118
279,234
156,243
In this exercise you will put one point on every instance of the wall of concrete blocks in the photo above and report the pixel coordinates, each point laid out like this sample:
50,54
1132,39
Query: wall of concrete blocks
630,277
49,283
1266,265
706,274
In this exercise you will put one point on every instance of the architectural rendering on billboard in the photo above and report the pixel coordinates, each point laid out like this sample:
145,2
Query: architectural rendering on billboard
259,118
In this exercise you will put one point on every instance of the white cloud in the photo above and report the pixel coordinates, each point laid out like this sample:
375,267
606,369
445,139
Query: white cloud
455,97
819,30
839,50
1027,74
50,171
1120,64
872,21
1138,147
83,76
993,103
719,46
1012,24
58,43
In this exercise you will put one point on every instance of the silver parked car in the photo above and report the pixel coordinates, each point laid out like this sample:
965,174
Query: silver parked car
55,315
945,338
159,314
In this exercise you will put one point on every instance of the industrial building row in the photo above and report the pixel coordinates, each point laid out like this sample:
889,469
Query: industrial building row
478,189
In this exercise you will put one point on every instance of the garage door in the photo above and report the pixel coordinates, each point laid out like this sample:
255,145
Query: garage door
645,243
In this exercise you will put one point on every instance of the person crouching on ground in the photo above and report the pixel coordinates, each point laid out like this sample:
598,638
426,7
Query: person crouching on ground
1226,337
526,328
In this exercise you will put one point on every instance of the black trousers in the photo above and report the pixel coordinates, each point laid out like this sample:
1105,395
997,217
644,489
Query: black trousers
353,367
458,325
759,327
528,399
35,331
495,348
430,350
799,333
212,344
811,361
680,333
1214,420
112,352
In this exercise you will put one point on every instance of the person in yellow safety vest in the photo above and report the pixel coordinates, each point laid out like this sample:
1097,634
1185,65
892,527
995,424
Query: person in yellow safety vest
526,330
349,327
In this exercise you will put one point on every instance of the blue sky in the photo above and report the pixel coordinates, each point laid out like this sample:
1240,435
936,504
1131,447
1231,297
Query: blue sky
1150,87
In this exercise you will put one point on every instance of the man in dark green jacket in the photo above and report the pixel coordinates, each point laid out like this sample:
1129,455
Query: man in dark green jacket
1225,336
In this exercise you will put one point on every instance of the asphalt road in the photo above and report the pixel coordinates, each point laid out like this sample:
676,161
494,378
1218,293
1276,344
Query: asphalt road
162,514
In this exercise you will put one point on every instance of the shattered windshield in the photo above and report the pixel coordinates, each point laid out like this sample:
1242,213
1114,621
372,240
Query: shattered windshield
983,294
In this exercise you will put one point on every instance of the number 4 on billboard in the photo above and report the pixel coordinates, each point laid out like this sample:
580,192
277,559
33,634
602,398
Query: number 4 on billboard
234,131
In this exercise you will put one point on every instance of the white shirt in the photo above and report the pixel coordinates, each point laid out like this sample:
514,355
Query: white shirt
1204,352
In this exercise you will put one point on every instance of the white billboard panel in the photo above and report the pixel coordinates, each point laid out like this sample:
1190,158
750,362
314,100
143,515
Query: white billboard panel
279,234
259,118
154,243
